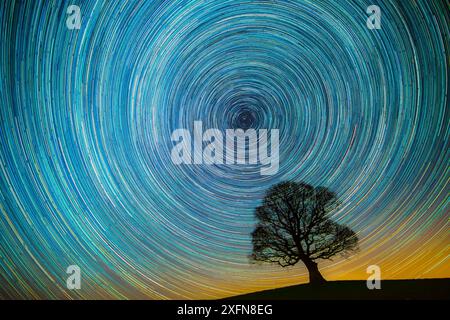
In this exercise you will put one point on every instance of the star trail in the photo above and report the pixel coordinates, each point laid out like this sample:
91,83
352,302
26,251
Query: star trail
87,114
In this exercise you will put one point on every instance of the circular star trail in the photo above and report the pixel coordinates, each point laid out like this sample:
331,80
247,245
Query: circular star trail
86,176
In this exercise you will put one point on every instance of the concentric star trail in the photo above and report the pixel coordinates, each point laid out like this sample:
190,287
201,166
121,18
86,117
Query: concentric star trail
86,115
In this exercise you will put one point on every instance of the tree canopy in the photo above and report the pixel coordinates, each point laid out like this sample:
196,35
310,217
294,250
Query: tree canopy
294,225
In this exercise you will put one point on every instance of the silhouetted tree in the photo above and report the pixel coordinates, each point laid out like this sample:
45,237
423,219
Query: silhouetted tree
294,225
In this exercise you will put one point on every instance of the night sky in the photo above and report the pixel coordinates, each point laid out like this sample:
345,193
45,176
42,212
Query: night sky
86,176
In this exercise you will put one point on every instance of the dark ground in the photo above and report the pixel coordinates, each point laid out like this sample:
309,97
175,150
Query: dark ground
435,289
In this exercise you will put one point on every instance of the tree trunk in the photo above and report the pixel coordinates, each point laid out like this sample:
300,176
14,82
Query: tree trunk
315,277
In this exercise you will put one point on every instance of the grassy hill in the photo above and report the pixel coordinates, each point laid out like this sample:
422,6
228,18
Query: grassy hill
438,289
